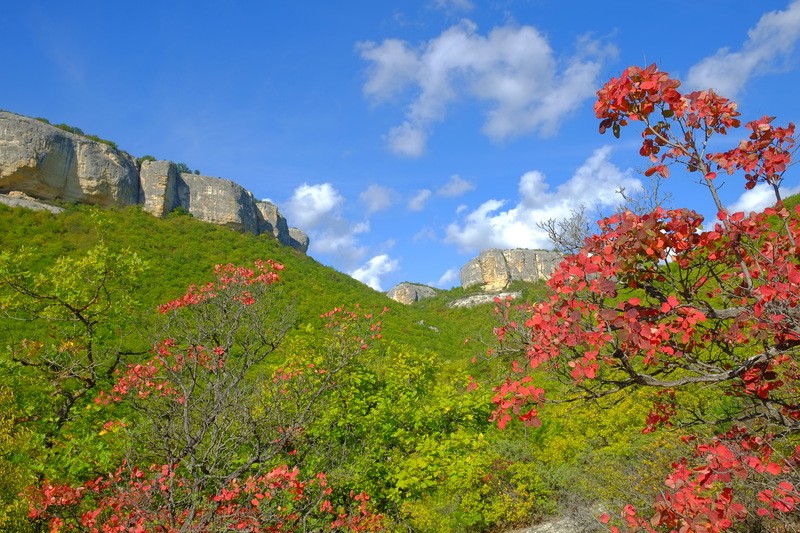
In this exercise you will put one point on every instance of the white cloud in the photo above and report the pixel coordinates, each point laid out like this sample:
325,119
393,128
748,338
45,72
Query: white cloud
311,204
593,184
448,280
407,139
371,272
512,69
455,187
316,209
394,66
759,197
417,203
771,40
377,198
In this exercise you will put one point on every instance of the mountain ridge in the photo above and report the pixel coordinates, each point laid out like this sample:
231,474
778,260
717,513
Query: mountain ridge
51,163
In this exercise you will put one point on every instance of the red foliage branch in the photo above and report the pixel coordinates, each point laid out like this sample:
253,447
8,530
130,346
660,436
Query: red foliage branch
134,500
194,389
662,300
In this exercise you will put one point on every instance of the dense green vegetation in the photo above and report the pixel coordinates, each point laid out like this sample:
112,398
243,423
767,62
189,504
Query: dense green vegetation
408,419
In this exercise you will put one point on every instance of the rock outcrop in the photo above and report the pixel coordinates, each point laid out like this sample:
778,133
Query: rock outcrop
298,239
271,221
159,181
480,299
20,199
47,163
408,293
496,269
218,201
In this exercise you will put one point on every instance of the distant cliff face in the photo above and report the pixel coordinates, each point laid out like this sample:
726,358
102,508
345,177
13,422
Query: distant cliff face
408,293
47,163
495,269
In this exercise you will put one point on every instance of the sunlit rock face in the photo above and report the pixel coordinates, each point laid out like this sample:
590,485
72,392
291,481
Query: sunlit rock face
159,181
47,163
218,201
495,270
408,293
272,221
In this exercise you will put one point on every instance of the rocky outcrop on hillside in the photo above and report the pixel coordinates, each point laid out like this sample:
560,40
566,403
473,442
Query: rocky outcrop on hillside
408,293
159,180
271,221
483,298
218,201
47,163
495,269
20,199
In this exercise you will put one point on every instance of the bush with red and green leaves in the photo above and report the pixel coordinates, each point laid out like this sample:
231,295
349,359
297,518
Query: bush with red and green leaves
670,301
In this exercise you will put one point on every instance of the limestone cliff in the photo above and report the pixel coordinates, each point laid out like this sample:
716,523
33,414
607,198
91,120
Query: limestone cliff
218,201
408,293
47,163
496,269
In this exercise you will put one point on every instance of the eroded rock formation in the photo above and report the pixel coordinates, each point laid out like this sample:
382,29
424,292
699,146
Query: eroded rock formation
408,293
47,163
496,269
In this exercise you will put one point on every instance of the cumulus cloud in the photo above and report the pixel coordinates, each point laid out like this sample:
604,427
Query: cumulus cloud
512,69
448,280
311,204
455,187
317,210
394,66
377,198
769,43
418,201
491,226
371,272
759,197
407,139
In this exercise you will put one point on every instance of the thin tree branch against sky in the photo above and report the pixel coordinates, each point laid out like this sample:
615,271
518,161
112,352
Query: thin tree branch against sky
403,137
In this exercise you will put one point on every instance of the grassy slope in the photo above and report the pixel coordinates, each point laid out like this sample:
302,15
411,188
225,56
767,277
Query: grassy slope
181,251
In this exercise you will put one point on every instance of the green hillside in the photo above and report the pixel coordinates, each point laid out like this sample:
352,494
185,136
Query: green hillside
401,421
180,251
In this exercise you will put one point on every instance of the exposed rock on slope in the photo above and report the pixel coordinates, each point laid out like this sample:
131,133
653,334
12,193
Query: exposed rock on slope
496,269
20,199
408,293
480,299
159,181
48,163
218,201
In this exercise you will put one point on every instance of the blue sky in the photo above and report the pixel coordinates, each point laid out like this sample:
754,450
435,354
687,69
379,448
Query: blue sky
403,136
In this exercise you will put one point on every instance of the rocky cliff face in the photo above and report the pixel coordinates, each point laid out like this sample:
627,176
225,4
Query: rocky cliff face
218,201
47,163
496,269
408,293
